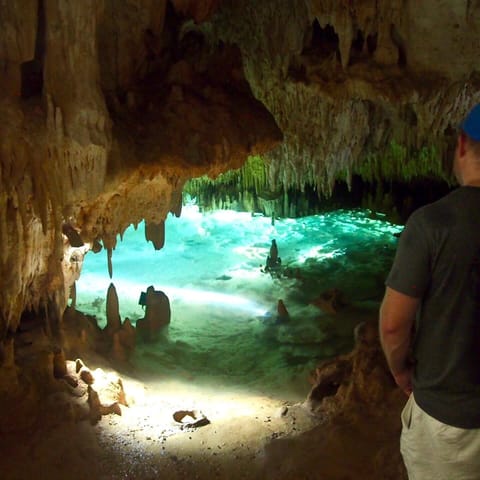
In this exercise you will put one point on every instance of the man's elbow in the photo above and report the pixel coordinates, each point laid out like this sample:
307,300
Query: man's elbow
388,329
388,324
391,332
393,325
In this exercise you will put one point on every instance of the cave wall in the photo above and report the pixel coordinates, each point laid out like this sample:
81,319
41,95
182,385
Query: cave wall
105,114
367,87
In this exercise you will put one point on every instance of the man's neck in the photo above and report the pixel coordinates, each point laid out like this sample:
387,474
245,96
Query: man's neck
471,184
470,175
473,181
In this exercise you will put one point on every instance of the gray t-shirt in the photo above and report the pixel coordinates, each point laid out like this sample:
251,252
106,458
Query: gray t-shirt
438,260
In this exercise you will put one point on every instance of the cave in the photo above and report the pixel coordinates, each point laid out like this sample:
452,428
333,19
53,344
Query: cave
323,42
32,70
169,167
372,40
400,44
357,48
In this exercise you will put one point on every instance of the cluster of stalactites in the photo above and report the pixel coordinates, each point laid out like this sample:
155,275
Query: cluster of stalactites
355,89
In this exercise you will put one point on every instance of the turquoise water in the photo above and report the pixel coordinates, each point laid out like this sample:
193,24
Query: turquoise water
223,328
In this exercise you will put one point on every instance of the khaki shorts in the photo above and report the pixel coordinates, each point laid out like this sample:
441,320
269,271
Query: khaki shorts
432,450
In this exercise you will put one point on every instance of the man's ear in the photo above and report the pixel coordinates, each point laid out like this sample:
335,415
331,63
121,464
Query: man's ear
462,144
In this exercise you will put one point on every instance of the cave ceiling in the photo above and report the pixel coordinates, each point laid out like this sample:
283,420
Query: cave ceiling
108,107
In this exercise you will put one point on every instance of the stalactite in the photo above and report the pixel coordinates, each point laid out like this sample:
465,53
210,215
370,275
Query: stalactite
96,246
334,118
52,309
155,233
176,202
109,262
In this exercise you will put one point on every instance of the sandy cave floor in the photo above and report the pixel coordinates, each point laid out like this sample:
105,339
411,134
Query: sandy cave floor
249,437
145,442
146,439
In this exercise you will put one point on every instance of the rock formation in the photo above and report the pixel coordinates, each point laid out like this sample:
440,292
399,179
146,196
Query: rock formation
118,338
157,314
105,117
358,86
114,321
358,434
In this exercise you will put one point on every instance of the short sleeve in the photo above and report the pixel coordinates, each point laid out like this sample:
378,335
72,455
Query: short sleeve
411,270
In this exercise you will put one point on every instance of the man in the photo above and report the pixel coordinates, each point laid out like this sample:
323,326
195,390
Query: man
430,324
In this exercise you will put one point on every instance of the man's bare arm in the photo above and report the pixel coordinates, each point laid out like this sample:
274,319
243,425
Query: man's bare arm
397,316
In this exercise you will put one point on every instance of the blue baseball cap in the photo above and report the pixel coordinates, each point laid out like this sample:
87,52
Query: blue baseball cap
471,124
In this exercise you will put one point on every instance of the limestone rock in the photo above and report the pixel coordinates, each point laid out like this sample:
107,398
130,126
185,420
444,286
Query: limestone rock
114,321
86,375
282,313
155,233
127,335
157,314
73,236
109,387
124,341
330,301
98,409
360,377
59,364
190,418
80,333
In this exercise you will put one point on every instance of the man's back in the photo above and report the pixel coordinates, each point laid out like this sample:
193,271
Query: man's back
442,247
432,307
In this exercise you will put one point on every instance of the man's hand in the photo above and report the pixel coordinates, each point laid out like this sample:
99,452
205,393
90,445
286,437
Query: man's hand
404,380
397,317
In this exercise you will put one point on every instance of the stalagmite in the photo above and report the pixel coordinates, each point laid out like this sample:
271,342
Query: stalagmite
59,364
124,341
274,252
282,313
114,322
127,335
73,295
118,351
157,314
